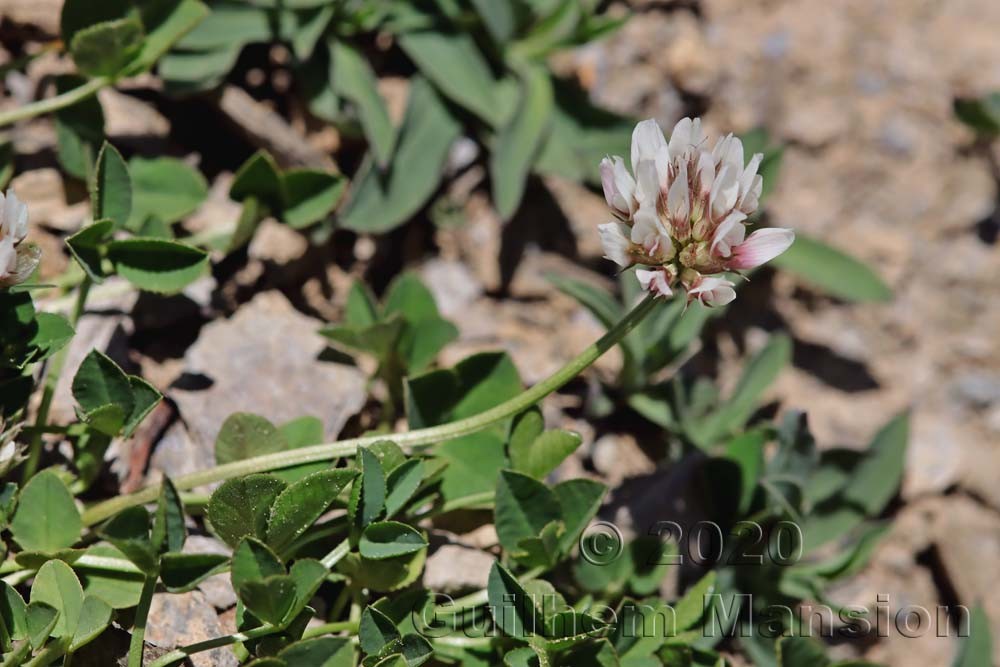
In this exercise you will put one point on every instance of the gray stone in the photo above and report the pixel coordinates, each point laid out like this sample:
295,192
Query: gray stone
186,618
264,360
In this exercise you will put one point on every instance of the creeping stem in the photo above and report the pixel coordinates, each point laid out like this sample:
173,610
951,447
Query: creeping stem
412,439
49,104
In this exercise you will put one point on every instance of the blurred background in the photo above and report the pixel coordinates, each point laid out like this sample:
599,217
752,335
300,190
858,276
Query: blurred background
855,99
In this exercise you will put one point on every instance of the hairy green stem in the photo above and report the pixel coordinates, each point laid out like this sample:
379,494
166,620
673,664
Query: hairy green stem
411,439
67,99
52,373
137,643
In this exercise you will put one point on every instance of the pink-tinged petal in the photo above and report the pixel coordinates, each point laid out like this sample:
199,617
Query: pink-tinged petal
619,188
647,184
687,134
725,192
751,185
762,246
8,257
706,174
654,281
616,244
679,197
648,229
647,142
712,291
729,234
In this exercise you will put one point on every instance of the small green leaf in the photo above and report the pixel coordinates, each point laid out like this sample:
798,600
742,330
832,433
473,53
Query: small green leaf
79,130
254,561
512,608
354,80
258,177
320,652
380,202
165,25
46,518
544,454
40,621
309,196
981,114
86,246
876,479
298,506
241,507
977,649
57,586
579,499
518,142
182,572
308,575
368,494
79,14
111,187
457,67
95,617
500,18
376,631
832,271
801,652
270,600
103,49
401,484
388,539
169,531
100,384
145,397
128,531
157,265
13,614
121,590
523,507
759,374
690,609
390,574
165,188
244,435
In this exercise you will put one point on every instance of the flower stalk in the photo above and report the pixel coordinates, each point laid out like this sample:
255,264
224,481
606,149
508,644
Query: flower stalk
410,440
50,104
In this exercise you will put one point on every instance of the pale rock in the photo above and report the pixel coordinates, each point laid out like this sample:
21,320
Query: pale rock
264,360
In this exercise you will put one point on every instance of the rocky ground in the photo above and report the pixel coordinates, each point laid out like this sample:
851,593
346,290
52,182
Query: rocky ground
860,91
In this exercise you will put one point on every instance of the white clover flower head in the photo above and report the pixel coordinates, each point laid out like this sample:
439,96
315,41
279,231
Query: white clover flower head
683,211
17,261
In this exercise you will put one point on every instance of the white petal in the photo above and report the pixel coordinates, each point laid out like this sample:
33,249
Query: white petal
713,291
619,188
648,230
647,142
647,183
615,240
706,174
687,133
729,234
725,191
8,257
679,197
762,246
654,281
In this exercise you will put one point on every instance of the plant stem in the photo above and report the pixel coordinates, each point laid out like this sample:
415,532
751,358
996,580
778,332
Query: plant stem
69,98
17,656
336,554
179,654
52,373
137,643
349,627
411,439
